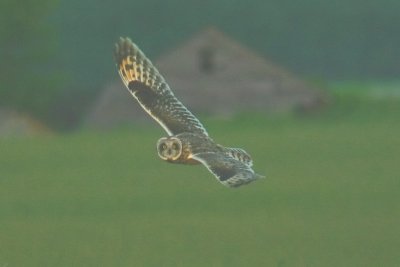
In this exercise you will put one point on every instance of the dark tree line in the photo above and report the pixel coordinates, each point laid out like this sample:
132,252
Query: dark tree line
29,81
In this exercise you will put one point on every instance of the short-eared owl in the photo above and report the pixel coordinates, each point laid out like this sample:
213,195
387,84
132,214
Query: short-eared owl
187,142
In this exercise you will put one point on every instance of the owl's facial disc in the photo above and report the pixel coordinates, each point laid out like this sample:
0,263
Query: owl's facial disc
169,148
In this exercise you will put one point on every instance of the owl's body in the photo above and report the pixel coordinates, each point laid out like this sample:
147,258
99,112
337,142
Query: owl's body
188,142
191,143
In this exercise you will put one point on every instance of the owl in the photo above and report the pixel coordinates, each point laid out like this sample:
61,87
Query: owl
188,141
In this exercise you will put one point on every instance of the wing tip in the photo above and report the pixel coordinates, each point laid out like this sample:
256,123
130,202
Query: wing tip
235,182
259,176
123,48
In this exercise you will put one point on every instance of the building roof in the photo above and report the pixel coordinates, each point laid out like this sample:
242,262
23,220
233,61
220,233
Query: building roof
215,74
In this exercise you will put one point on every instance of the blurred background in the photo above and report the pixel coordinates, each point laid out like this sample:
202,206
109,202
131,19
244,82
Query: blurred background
311,89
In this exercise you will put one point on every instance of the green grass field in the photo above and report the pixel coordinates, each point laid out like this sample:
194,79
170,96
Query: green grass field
331,197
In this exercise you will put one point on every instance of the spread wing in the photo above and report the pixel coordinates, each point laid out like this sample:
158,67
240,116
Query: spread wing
228,170
149,88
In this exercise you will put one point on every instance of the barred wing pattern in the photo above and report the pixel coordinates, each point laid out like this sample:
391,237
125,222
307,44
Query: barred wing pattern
228,170
152,92
240,155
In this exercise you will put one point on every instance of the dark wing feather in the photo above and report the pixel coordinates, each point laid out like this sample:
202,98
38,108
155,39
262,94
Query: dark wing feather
229,171
240,155
147,85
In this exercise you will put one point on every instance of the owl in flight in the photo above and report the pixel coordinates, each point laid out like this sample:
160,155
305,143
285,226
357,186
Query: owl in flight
188,141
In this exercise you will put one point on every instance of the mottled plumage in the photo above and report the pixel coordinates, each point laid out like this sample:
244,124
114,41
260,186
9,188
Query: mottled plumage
188,141
149,88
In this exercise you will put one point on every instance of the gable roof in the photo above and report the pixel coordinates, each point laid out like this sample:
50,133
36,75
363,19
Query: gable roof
213,73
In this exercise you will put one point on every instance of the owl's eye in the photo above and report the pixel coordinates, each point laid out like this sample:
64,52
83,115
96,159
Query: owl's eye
163,146
175,146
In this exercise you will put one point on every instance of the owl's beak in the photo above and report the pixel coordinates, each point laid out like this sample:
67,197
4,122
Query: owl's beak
169,152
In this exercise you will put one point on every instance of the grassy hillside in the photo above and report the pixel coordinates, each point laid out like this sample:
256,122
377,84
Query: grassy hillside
331,197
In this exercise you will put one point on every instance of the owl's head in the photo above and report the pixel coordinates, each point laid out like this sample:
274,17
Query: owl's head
169,148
